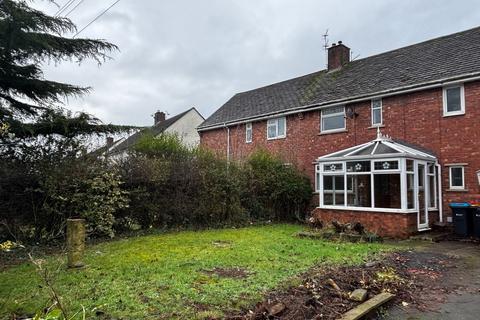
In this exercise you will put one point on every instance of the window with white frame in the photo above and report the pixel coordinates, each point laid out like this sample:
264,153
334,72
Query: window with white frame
377,116
374,184
457,177
387,184
410,171
333,184
358,184
453,100
276,128
248,132
333,119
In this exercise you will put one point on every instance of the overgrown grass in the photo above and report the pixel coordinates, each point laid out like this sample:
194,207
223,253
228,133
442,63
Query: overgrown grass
162,276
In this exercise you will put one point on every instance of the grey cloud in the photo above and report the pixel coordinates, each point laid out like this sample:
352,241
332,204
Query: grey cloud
177,54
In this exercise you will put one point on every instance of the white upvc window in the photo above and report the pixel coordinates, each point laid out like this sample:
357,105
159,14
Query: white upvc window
388,185
457,177
333,184
386,165
248,133
332,119
453,100
276,128
377,112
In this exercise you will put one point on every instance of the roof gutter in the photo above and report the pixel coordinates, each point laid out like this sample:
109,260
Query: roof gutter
373,157
376,95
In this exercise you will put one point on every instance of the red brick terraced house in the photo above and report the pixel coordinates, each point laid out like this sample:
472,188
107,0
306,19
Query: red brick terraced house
388,140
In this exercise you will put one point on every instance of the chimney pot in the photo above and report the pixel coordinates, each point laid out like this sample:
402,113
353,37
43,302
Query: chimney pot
338,56
159,117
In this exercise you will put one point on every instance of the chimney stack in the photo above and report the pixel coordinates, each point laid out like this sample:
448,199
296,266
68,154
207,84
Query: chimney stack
159,117
109,142
338,56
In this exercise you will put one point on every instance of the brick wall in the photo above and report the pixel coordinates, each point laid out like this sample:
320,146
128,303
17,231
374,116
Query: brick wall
414,117
385,224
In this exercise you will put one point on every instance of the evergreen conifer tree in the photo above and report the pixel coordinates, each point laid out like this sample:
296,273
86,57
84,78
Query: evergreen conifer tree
30,105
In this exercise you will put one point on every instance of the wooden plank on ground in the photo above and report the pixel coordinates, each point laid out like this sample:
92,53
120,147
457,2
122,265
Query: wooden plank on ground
369,305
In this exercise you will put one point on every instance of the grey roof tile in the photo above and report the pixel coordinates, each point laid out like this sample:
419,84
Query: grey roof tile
450,56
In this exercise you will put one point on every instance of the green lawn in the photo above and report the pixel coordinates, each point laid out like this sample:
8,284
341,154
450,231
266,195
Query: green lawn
163,276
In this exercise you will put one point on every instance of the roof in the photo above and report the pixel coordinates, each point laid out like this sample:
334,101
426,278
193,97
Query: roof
154,130
455,56
381,147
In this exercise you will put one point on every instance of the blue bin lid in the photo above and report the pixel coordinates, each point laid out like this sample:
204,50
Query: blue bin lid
459,204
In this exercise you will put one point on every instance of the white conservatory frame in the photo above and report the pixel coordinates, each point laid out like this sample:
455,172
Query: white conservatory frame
384,149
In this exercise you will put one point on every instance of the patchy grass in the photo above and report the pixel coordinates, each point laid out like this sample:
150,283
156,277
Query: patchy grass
176,275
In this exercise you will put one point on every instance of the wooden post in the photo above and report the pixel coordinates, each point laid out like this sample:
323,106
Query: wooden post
75,242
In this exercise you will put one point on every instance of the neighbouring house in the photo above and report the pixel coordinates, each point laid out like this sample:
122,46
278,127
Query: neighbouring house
388,140
184,125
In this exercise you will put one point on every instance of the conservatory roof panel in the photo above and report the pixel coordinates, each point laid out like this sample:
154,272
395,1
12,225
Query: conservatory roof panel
382,146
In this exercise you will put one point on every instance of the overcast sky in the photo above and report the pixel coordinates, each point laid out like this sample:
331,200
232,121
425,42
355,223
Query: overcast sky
175,54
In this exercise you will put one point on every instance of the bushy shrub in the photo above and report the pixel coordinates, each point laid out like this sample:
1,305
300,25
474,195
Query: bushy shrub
161,183
219,191
171,185
96,199
50,181
163,146
274,190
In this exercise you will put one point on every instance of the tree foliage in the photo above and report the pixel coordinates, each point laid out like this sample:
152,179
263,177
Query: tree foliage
47,176
172,186
29,103
274,190
52,180
160,184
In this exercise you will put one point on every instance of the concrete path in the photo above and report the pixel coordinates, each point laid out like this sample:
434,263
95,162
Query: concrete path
463,284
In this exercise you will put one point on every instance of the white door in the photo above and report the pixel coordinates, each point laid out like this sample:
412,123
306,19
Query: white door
422,196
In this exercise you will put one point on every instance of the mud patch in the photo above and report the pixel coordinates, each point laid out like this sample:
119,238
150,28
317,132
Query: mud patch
143,298
236,273
406,274
201,307
222,243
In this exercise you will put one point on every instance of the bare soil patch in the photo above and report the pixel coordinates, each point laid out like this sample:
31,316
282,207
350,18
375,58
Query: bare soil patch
237,273
406,274
222,243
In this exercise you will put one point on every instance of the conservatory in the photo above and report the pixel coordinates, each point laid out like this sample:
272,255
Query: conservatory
383,175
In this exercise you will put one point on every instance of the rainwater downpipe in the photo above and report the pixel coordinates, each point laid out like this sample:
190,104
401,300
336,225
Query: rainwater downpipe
228,143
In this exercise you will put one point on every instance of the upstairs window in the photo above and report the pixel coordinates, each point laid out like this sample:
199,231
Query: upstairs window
453,101
377,117
457,177
333,119
276,128
248,132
